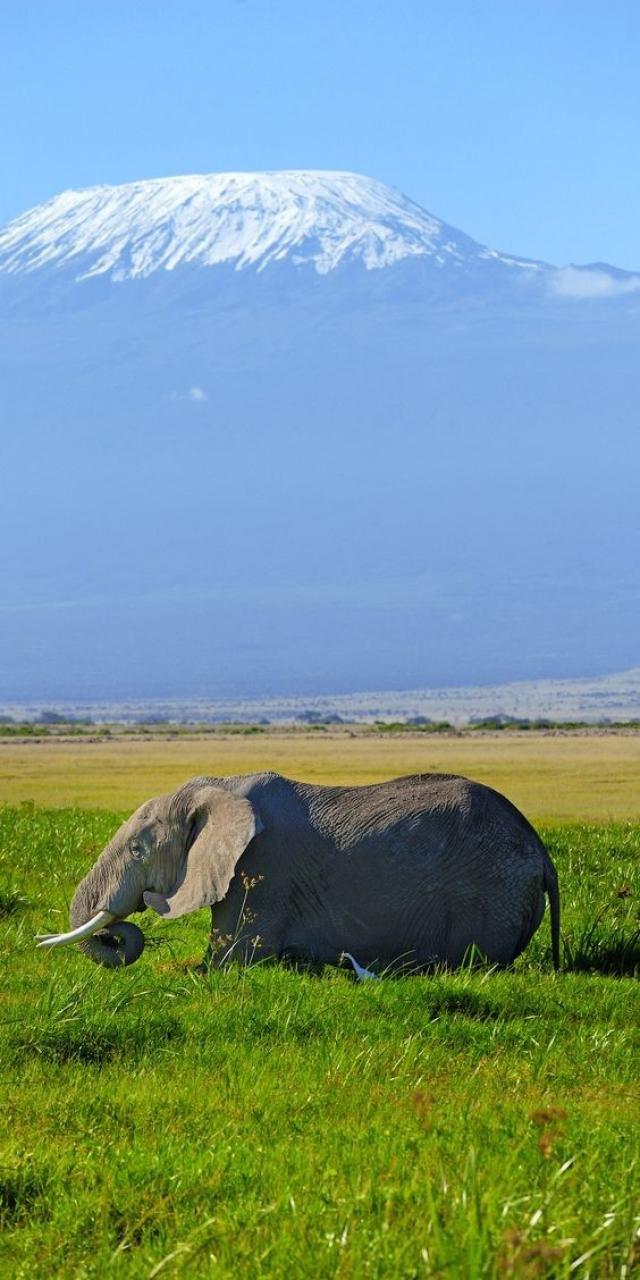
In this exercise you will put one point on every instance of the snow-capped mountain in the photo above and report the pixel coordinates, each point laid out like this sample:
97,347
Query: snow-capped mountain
245,219
287,432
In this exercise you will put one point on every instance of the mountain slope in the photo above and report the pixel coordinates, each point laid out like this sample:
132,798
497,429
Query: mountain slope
317,218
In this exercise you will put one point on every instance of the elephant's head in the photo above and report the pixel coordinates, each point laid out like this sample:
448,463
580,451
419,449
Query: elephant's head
175,854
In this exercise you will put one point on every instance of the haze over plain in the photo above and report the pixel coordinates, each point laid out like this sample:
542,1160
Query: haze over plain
298,434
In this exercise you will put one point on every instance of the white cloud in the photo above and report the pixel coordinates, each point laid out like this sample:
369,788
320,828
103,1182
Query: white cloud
577,282
195,394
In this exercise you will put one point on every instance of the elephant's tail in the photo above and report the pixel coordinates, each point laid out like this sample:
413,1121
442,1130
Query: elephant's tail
553,893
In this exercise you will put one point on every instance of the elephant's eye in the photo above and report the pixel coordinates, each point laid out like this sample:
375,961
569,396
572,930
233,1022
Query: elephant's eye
137,851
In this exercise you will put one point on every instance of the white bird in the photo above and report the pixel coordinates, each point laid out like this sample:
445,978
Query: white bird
361,974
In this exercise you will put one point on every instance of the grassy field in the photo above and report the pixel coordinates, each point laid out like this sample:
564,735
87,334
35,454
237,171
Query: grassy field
551,777
266,1123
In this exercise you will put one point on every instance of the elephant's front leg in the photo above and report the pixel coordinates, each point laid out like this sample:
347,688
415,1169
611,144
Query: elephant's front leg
246,940
217,947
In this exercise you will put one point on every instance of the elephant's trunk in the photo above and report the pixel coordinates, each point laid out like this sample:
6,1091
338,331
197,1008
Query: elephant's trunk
118,943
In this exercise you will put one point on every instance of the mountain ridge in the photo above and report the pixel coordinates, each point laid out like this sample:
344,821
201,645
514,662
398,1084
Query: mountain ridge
316,217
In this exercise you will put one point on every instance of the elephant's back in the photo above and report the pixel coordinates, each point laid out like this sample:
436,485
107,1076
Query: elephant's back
411,808
429,815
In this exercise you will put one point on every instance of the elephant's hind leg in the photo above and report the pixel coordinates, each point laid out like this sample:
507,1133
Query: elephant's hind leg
531,920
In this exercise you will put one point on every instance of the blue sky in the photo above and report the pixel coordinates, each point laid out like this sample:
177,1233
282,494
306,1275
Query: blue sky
516,120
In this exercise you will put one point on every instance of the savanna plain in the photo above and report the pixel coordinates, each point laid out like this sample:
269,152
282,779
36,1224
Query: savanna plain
264,1122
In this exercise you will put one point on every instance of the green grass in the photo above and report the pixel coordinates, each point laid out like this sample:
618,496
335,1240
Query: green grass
267,1123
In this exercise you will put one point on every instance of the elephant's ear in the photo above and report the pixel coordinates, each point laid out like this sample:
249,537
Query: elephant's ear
220,825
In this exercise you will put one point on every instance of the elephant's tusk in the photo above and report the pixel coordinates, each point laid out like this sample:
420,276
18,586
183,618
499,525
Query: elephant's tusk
83,931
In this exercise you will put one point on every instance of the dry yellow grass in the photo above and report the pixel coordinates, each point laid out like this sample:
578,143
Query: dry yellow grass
590,778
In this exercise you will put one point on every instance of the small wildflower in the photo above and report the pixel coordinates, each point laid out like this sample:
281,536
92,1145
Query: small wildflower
250,882
546,1119
422,1103
548,1115
525,1260
219,942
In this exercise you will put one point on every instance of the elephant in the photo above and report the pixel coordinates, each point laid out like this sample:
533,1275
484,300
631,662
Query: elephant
405,874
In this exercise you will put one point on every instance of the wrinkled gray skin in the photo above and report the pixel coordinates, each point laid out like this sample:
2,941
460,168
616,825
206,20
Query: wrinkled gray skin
404,873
